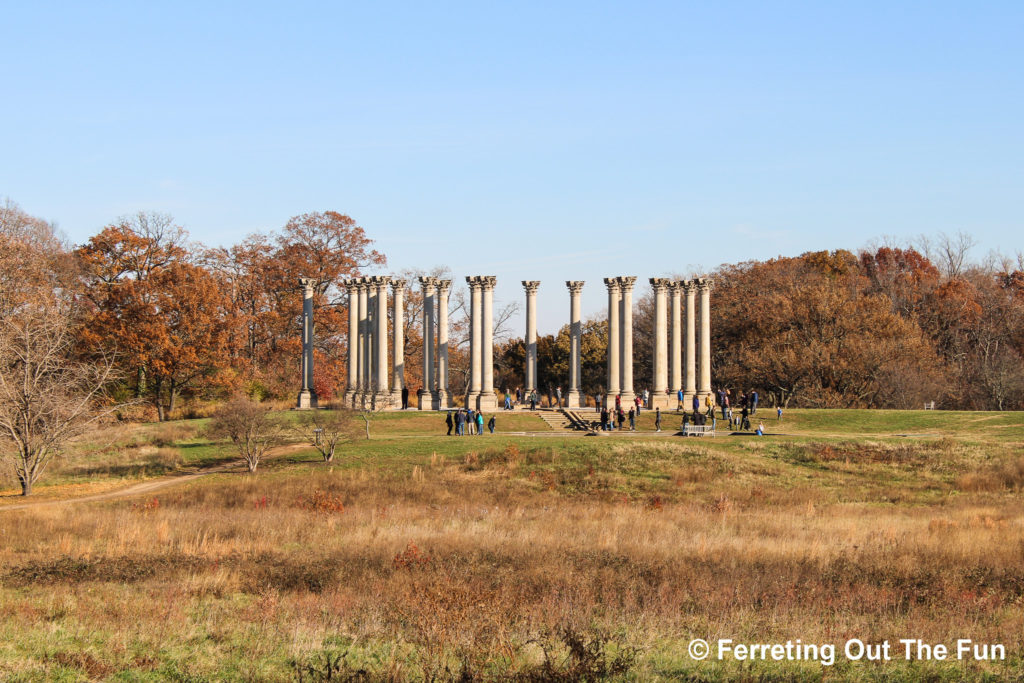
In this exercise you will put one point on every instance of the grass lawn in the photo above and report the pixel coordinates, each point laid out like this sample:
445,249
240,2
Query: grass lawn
414,555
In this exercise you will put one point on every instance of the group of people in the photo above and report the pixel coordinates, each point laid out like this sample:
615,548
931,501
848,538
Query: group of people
467,420
617,415
531,398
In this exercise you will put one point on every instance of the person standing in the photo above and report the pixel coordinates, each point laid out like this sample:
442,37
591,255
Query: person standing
657,419
460,423
753,401
490,424
647,397
778,413
448,421
533,400
604,419
470,421
679,397
637,402
558,394
622,419
508,401
696,403
632,420
405,398
479,424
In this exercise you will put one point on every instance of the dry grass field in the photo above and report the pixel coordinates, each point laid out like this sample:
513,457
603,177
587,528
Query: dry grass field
524,558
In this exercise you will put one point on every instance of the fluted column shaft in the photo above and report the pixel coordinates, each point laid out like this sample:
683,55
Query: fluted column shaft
383,395
626,341
475,364
363,345
426,393
675,378
575,397
443,292
398,341
690,366
613,340
704,387
488,401
353,341
531,334
659,378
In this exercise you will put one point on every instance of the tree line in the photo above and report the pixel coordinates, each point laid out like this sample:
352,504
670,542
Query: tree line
144,322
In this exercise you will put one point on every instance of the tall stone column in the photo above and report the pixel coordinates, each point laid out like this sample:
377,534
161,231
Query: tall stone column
488,401
531,334
575,397
614,293
659,379
444,396
398,342
364,315
675,375
690,365
353,342
307,394
475,363
426,393
704,361
371,337
626,341
382,396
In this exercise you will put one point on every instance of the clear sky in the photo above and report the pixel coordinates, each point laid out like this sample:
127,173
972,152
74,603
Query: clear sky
547,140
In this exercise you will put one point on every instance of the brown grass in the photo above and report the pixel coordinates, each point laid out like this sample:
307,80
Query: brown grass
461,564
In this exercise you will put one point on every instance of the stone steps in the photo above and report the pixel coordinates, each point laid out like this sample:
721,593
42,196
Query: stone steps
555,419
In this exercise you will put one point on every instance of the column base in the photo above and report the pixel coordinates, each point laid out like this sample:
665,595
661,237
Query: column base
487,401
306,400
444,399
627,400
575,399
426,400
383,400
396,400
662,400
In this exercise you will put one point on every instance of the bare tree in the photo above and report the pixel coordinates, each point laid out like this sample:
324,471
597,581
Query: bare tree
250,427
327,429
47,395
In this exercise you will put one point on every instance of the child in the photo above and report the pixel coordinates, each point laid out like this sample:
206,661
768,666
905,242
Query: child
760,428
778,413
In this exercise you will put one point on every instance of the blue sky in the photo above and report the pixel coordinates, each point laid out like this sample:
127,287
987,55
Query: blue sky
550,141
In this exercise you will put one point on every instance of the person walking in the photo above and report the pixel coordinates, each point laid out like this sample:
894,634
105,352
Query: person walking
479,424
709,405
508,401
679,398
657,419
745,418
490,424
632,420
696,403
451,423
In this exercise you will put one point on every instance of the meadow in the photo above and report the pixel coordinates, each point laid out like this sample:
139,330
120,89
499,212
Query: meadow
525,556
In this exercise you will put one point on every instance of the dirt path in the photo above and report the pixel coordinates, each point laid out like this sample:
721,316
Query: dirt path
150,485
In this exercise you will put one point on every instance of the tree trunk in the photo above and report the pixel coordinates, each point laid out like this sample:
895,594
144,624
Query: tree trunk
26,486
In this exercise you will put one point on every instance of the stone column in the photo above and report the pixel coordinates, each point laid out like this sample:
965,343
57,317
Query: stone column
371,341
307,394
704,360
531,334
426,393
353,342
675,377
575,397
613,341
659,379
690,366
382,397
475,364
444,396
398,342
488,401
363,344
626,340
